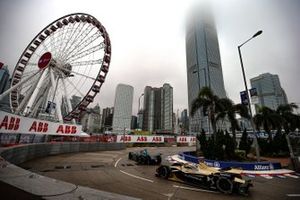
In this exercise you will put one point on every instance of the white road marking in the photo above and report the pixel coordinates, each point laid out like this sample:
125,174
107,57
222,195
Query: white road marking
280,176
194,189
293,195
266,176
251,175
290,175
117,162
134,176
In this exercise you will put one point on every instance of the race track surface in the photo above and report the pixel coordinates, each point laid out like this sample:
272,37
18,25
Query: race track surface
112,171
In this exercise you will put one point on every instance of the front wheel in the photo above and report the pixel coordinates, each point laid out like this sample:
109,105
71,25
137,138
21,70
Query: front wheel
225,185
164,172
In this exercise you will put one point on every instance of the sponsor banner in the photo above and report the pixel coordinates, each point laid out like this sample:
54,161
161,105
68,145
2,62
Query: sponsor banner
139,139
10,123
186,139
253,166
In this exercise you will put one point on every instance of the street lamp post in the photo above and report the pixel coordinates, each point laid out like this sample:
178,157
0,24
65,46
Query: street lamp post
247,93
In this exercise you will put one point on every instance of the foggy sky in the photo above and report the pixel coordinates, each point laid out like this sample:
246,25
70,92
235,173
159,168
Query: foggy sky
148,40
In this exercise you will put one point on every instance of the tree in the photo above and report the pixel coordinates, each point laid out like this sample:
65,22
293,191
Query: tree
268,119
289,119
245,143
203,142
207,101
230,110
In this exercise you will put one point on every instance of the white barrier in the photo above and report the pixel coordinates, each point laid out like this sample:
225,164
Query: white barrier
186,139
139,139
10,123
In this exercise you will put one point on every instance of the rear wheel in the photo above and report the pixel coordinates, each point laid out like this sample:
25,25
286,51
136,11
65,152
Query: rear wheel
225,185
158,160
164,172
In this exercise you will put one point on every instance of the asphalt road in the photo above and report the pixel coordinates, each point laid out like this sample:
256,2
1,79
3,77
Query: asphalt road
112,171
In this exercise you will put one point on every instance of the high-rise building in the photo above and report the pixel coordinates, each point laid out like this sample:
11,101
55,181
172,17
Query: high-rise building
140,119
107,114
184,120
269,91
122,108
4,76
75,100
203,63
167,107
4,85
158,108
133,122
91,120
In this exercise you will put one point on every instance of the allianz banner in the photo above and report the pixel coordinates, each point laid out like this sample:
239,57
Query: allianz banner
10,123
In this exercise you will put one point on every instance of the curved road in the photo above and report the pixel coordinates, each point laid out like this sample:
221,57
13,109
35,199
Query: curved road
112,171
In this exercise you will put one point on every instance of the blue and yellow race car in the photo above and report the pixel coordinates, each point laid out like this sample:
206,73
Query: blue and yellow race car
225,180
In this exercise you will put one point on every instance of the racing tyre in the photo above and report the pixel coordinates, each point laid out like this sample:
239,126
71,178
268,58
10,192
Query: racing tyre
225,185
164,172
158,160
140,160
130,156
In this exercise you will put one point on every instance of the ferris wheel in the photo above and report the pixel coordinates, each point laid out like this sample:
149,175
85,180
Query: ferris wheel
62,69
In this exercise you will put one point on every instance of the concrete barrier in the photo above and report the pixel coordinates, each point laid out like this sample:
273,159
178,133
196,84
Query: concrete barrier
23,153
22,182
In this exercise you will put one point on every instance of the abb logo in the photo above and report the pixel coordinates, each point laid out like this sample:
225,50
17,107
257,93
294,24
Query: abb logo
66,129
125,138
186,139
10,123
182,139
156,139
142,139
38,127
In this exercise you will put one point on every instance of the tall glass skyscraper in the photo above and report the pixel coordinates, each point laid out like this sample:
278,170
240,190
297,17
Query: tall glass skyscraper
203,62
158,108
122,108
269,91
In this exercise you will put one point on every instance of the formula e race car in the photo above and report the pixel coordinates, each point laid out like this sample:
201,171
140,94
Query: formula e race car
225,180
144,158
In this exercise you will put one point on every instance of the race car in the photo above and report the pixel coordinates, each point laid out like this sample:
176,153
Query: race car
144,158
225,180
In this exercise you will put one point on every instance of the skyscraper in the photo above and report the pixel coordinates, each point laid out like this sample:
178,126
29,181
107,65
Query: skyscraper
184,120
122,108
4,85
167,107
203,62
269,91
4,76
158,108
107,115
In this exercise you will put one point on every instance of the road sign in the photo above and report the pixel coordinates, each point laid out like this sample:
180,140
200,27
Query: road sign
244,98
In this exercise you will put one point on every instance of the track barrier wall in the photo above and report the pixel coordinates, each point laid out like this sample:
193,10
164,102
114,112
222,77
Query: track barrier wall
21,153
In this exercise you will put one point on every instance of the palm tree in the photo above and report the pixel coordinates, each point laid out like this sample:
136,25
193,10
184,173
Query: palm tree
230,110
268,119
209,102
289,119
